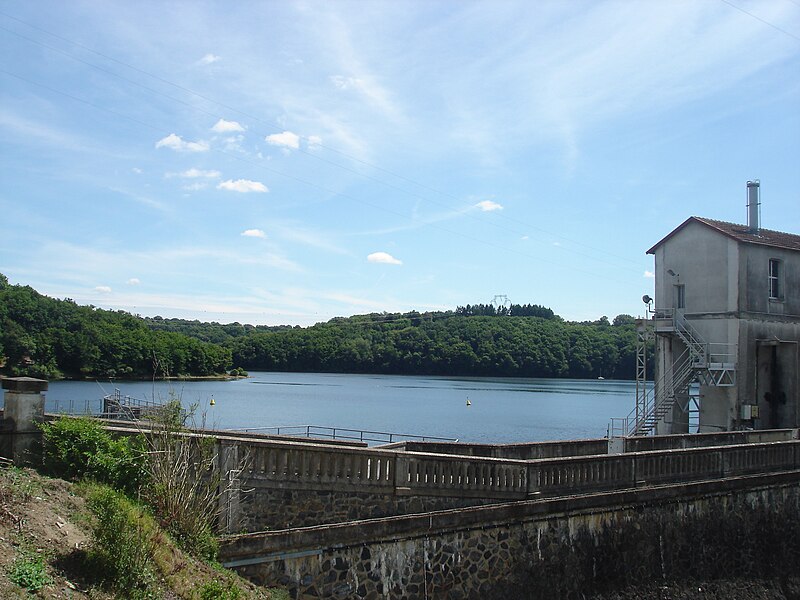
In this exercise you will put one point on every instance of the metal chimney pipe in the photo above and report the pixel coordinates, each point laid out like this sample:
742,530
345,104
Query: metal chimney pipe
753,204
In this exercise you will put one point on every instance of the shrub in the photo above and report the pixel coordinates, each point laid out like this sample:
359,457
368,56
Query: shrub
122,542
75,448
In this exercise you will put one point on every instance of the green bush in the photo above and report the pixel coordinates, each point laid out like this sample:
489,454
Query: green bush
122,542
76,448
216,590
30,572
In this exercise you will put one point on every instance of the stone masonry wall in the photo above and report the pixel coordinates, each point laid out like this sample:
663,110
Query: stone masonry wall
746,534
275,508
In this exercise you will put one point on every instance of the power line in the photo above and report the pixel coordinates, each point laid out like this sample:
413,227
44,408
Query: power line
765,22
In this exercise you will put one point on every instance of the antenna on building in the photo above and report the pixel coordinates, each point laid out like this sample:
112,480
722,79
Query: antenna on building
754,206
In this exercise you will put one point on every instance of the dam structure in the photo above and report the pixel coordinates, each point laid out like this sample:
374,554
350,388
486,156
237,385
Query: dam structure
418,519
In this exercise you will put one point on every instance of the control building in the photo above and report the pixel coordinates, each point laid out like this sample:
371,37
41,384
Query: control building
726,324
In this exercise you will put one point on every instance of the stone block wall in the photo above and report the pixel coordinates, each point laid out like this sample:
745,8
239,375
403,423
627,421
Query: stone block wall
274,508
564,548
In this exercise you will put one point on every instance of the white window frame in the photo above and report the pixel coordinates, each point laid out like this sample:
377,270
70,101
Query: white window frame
679,295
774,279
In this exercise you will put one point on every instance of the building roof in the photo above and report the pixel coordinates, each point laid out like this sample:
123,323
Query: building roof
740,233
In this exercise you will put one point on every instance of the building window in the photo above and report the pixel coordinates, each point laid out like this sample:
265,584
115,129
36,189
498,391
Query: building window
775,288
680,296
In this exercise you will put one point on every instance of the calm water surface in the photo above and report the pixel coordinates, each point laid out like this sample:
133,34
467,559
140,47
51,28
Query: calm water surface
502,409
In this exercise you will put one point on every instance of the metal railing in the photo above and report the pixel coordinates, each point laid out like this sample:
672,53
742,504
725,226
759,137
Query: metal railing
709,363
343,433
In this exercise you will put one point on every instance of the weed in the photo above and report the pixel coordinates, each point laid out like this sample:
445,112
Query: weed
19,486
29,571
216,590
184,483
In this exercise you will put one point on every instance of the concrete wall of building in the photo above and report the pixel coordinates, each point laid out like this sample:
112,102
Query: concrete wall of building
754,270
705,262
562,548
727,302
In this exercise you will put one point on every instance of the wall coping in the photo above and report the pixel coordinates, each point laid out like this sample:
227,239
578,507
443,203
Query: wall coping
24,385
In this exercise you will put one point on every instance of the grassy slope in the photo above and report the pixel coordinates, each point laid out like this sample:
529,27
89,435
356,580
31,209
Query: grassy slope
47,518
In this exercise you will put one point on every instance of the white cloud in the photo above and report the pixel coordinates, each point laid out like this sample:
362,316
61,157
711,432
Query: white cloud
175,142
314,141
488,206
133,281
649,275
256,233
196,173
103,289
383,258
196,186
208,59
243,186
223,126
137,170
287,139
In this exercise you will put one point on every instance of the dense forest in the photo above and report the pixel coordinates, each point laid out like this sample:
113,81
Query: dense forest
448,344
50,338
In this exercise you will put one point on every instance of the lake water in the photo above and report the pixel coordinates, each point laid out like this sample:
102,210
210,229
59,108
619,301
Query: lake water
502,410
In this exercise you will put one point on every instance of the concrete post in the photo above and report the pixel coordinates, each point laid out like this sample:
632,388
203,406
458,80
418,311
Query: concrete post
24,408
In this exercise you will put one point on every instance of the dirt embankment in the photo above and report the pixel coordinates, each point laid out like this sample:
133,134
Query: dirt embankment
44,534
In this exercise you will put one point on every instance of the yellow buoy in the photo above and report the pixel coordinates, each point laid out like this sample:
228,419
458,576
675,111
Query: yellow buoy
212,403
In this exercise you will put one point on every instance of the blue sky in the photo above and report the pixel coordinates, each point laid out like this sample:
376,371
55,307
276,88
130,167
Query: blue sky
289,162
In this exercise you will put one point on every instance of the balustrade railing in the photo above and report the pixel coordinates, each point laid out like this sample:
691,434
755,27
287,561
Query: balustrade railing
389,471
312,466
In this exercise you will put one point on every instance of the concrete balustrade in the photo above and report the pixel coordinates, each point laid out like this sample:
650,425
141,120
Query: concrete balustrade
346,468
550,477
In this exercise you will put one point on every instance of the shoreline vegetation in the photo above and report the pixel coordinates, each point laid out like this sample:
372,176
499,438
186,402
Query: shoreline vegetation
58,339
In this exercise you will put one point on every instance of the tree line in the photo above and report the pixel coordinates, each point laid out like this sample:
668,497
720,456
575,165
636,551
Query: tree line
448,343
49,338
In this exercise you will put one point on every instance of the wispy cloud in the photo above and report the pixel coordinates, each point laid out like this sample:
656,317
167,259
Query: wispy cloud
243,186
175,142
208,59
649,275
133,281
30,131
194,173
141,198
383,258
102,289
256,233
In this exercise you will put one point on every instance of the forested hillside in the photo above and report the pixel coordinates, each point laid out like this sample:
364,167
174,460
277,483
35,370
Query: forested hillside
448,344
50,338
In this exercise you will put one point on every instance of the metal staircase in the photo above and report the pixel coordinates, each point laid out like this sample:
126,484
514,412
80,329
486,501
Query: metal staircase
695,364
